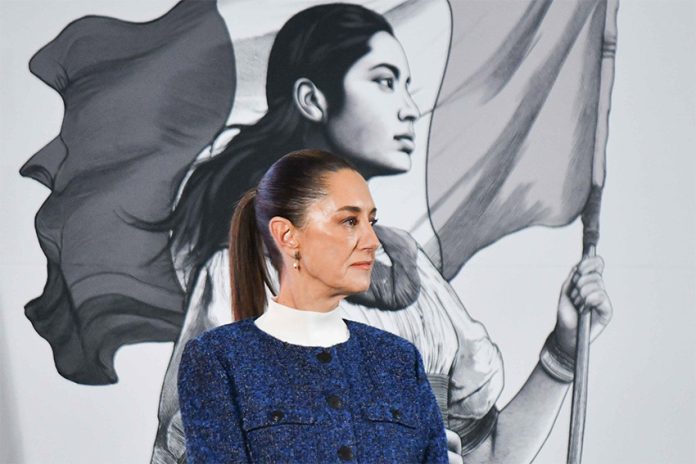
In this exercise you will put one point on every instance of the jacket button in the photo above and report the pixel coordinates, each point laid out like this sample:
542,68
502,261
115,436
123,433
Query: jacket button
324,356
345,453
396,414
276,415
334,401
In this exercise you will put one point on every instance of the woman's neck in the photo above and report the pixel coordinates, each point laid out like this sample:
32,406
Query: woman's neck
306,301
310,296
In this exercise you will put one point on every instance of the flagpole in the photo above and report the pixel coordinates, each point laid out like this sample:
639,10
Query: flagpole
590,219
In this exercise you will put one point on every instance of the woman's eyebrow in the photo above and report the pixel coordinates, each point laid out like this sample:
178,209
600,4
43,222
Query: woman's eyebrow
389,66
355,209
393,69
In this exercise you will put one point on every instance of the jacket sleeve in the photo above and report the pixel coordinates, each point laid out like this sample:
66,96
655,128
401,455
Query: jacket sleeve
436,440
212,423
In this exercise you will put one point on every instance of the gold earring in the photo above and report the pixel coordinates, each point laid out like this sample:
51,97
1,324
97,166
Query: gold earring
296,264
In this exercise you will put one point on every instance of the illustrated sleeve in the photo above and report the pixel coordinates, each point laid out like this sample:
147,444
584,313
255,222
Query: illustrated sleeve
212,423
436,447
476,381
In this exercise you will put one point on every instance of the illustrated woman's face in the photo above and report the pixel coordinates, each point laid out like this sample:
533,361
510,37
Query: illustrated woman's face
337,242
375,127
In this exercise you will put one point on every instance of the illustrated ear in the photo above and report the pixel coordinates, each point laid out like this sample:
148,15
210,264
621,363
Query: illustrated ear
284,234
310,101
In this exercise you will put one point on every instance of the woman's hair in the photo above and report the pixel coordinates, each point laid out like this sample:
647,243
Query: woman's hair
286,190
320,43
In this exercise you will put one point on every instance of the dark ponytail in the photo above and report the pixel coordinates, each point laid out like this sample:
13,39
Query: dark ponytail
248,272
286,190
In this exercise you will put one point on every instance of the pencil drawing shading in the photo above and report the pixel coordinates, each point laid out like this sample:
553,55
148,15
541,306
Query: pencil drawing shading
168,122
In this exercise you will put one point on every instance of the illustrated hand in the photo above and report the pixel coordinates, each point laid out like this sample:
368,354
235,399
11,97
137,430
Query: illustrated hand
584,288
454,447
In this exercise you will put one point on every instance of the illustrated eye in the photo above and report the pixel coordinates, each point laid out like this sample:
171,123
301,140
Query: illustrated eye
386,82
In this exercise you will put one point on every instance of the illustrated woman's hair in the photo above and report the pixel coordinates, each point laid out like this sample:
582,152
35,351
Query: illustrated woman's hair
319,43
286,190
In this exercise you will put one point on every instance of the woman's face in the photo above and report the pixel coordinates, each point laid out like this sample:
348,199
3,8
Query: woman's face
337,243
375,128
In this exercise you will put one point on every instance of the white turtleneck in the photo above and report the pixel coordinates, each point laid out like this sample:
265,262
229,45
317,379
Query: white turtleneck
303,327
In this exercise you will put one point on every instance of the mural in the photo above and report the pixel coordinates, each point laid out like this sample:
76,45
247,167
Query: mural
490,116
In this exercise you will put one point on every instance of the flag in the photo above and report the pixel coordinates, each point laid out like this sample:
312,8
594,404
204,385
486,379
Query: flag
141,101
513,131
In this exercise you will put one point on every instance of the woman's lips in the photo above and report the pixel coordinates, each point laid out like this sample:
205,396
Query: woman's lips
406,141
363,265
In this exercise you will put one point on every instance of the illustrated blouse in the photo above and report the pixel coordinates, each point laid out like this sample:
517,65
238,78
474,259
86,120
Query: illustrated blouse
249,397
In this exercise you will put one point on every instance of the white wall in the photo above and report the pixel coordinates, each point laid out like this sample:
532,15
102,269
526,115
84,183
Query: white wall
642,405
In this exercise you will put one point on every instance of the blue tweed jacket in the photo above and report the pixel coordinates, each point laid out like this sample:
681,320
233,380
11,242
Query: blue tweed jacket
248,397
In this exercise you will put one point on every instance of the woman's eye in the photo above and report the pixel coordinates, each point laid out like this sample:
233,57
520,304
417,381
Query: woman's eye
387,82
373,221
351,221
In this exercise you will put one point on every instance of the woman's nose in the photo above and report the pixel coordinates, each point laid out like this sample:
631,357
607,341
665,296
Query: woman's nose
370,240
409,111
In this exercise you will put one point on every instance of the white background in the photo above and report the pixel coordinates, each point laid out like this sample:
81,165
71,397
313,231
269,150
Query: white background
642,404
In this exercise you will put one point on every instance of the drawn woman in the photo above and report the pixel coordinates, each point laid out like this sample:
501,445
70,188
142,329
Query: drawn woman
338,79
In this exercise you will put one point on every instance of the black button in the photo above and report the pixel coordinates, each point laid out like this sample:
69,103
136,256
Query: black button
324,356
396,413
345,453
334,401
276,415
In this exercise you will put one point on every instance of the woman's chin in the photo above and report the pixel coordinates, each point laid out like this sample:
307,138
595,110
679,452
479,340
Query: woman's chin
383,164
397,162
359,287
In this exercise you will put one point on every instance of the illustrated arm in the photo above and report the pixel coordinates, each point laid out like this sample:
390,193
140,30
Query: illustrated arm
513,435
526,422
211,418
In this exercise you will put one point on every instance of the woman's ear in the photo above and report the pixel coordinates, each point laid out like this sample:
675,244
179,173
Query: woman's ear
310,101
284,234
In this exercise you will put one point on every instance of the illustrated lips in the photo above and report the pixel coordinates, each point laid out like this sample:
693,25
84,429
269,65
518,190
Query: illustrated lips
408,137
407,141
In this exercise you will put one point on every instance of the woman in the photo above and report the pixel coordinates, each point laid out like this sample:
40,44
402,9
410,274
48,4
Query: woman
319,388
337,79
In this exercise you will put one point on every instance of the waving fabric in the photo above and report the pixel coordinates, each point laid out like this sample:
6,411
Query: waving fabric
512,136
141,101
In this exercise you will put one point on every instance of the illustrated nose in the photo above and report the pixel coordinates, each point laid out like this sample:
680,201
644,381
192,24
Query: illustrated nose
409,111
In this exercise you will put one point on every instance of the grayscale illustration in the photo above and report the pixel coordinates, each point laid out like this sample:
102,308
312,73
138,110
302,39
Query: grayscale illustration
488,117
